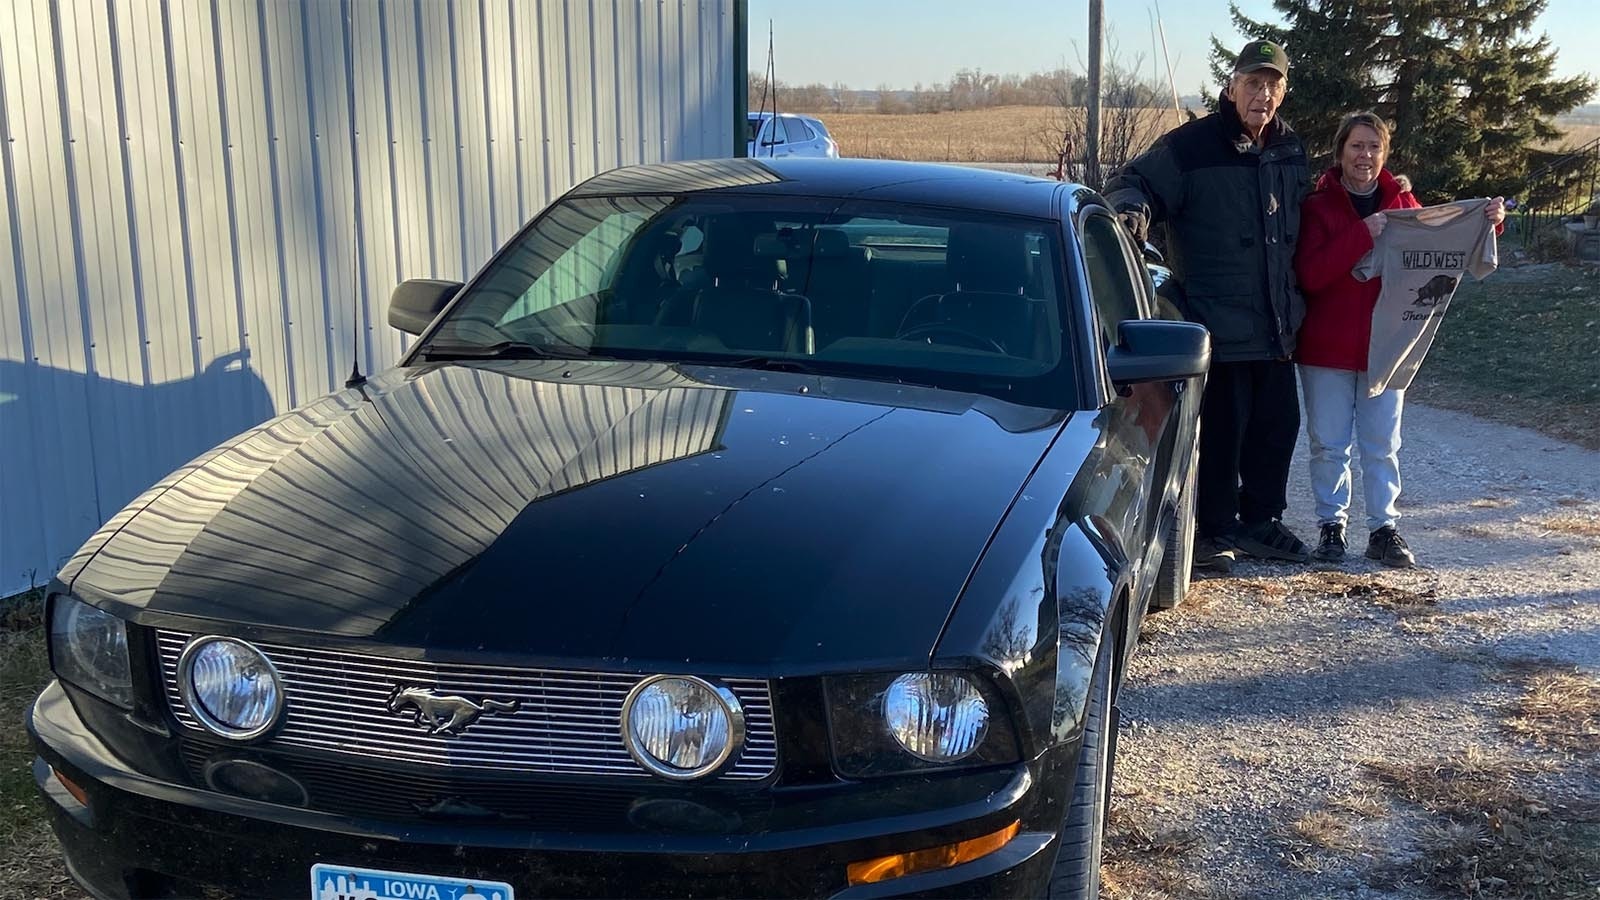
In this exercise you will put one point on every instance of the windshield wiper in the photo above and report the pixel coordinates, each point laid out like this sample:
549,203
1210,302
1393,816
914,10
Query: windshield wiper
497,350
767,363
806,367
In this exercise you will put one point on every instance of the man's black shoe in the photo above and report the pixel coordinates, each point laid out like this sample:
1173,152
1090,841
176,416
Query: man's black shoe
1215,555
1388,547
1332,545
1271,540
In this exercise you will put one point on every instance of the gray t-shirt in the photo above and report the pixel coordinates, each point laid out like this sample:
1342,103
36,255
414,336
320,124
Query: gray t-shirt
1420,256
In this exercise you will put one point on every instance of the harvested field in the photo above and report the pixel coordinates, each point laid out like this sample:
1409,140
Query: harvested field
1002,134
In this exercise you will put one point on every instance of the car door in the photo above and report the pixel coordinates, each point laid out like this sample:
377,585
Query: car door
783,140
1138,422
803,139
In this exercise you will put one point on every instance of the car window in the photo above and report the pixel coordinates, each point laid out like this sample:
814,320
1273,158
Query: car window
1113,287
953,299
805,127
782,131
752,126
582,270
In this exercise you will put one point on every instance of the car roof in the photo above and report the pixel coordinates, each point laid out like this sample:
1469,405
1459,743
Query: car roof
929,184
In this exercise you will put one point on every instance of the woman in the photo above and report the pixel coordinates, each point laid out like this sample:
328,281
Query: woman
1338,224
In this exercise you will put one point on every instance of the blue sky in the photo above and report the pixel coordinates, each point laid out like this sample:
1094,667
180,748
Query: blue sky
865,43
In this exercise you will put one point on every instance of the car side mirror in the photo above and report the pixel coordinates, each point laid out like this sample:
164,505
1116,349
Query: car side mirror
416,302
1158,350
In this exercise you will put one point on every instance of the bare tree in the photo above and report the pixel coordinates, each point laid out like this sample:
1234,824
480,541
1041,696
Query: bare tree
889,101
1130,120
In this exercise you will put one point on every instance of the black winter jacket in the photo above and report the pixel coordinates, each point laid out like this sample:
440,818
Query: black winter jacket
1232,212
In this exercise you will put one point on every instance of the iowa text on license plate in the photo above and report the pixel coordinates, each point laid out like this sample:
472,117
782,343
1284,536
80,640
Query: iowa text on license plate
355,883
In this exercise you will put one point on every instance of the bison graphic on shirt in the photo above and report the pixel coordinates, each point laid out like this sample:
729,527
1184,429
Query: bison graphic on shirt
1437,288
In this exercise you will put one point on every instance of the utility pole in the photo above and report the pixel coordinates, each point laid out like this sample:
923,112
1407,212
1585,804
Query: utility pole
1097,19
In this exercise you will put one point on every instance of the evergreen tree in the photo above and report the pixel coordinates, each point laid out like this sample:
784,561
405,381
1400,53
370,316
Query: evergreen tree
1466,88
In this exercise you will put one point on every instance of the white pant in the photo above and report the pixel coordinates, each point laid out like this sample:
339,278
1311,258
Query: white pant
1336,404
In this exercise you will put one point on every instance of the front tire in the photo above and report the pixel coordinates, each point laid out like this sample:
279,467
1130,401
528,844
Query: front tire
1077,867
1177,559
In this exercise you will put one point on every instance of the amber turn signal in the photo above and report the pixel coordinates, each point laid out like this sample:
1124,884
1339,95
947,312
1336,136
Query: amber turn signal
78,793
869,871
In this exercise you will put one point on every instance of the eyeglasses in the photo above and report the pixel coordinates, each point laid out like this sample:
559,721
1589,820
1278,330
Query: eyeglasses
1272,87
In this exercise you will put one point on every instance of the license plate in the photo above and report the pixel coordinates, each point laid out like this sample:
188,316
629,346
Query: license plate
354,883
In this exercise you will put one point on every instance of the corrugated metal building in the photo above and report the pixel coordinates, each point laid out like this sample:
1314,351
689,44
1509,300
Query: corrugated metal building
199,198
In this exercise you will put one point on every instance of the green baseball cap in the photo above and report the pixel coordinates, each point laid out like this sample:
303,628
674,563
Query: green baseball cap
1258,55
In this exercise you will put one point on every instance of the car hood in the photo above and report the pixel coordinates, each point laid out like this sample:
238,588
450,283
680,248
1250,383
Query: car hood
637,514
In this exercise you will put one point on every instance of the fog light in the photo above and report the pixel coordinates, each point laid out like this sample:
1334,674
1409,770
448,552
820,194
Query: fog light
254,781
870,871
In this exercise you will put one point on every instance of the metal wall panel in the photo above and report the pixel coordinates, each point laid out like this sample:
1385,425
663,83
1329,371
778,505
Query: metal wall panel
200,198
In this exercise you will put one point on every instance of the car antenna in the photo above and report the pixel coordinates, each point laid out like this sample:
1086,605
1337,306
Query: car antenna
356,379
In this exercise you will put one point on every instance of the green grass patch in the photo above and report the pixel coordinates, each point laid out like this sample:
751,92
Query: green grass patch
1522,347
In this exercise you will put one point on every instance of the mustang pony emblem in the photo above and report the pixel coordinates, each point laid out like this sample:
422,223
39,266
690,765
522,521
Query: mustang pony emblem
448,713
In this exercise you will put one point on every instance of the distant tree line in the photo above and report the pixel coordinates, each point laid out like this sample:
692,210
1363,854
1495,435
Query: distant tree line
967,89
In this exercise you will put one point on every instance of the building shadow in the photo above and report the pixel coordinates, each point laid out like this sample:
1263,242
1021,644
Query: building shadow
76,447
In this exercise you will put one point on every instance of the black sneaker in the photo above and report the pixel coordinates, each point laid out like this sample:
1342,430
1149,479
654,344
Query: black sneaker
1271,540
1332,545
1388,547
1210,553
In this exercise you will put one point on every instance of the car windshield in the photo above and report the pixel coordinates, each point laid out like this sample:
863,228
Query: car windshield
899,293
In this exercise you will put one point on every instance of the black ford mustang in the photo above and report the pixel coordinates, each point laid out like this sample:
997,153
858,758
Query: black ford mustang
756,528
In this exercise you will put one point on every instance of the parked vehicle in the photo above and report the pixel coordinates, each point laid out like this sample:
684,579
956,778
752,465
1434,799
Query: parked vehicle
788,134
744,527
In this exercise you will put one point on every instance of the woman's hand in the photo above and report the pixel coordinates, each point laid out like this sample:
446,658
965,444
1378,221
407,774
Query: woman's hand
1375,223
1496,210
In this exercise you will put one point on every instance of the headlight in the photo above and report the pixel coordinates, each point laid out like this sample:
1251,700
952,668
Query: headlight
230,686
887,724
89,648
936,716
681,727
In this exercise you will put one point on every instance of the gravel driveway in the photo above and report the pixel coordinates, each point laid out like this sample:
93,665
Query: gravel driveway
1352,731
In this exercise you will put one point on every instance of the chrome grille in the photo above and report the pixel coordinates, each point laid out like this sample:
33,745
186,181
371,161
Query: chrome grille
567,722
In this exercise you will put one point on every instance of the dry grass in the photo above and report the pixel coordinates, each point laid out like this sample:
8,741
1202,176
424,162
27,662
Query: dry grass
999,134
1492,503
1399,600
1576,136
1363,804
1141,860
1558,710
30,861
1576,525
1492,834
1322,828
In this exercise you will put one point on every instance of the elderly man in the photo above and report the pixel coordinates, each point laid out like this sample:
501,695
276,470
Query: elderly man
1228,187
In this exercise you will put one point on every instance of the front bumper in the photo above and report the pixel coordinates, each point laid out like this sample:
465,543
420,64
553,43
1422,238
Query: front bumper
143,836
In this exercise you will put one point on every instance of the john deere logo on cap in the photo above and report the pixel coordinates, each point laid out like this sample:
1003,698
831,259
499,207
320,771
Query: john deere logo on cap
1266,51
